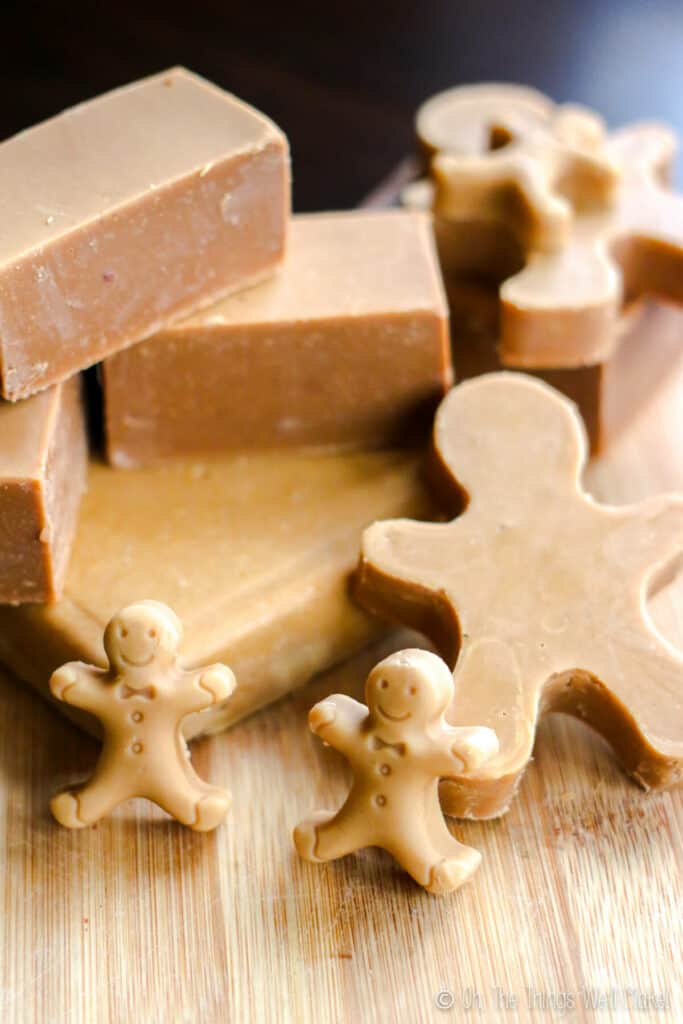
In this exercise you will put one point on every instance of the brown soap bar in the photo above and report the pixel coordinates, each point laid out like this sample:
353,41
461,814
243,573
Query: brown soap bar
43,458
535,593
610,394
253,552
135,207
347,346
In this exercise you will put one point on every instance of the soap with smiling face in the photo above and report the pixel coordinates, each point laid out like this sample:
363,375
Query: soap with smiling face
398,748
141,700
145,635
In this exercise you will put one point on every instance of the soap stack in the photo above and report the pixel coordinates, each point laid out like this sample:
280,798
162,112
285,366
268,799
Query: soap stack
561,245
148,232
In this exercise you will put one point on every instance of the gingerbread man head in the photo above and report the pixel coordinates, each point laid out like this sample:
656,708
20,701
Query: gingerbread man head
535,453
143,639
408,691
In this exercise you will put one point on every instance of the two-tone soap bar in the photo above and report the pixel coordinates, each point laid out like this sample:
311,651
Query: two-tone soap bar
138,206
346,347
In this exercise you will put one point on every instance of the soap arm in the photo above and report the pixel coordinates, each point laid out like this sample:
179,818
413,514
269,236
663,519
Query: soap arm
211,685
464,749
654,537
337,720
398,578
79,685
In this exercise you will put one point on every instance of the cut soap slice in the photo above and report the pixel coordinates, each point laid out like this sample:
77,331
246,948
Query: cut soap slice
253,553
43,462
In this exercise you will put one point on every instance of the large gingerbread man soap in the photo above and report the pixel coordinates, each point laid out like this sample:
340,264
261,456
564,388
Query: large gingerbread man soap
141,701
398,747
535,594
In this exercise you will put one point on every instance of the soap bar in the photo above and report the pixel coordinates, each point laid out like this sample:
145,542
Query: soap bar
347,346
535,594
254,553
589,212
610,394
43,460
138,206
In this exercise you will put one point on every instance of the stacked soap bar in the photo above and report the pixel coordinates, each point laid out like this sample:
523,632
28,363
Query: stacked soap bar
43,463
149,238
255,552
347,347
141,205
561,245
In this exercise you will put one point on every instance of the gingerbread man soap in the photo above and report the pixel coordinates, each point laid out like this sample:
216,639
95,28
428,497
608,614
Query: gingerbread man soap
535,594
141,701
587,214
398,747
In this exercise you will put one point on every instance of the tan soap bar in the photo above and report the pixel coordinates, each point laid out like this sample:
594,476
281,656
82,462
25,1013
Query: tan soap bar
535,594
587,213
254,553
138,206
347,346
611,393
43,460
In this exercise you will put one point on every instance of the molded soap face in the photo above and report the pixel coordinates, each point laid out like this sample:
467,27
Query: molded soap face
409,689
143,635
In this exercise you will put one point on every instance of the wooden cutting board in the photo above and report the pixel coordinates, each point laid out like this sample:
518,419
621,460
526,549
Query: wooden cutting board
579,895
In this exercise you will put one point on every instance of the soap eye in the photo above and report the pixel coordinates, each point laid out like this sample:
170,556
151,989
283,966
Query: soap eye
152,633
412,690
383,684
124,631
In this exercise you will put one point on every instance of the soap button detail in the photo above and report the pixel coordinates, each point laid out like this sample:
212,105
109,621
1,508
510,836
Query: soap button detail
137,716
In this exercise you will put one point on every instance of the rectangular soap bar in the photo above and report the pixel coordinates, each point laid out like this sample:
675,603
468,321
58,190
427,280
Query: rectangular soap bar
347,346
43,462
611,393
143,204
254,553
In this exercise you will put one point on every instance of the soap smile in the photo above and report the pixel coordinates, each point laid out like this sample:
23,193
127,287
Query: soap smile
393,718
138,662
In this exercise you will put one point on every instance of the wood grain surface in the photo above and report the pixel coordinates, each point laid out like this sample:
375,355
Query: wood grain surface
579,895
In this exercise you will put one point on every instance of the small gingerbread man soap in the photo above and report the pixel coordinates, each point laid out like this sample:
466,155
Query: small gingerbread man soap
399,746
141,701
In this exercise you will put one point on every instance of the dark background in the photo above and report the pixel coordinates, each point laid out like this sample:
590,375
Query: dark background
343,80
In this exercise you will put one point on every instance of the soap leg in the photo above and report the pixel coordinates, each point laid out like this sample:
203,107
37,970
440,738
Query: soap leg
413,849
329,835
459,861
451,872
80,807
193,803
